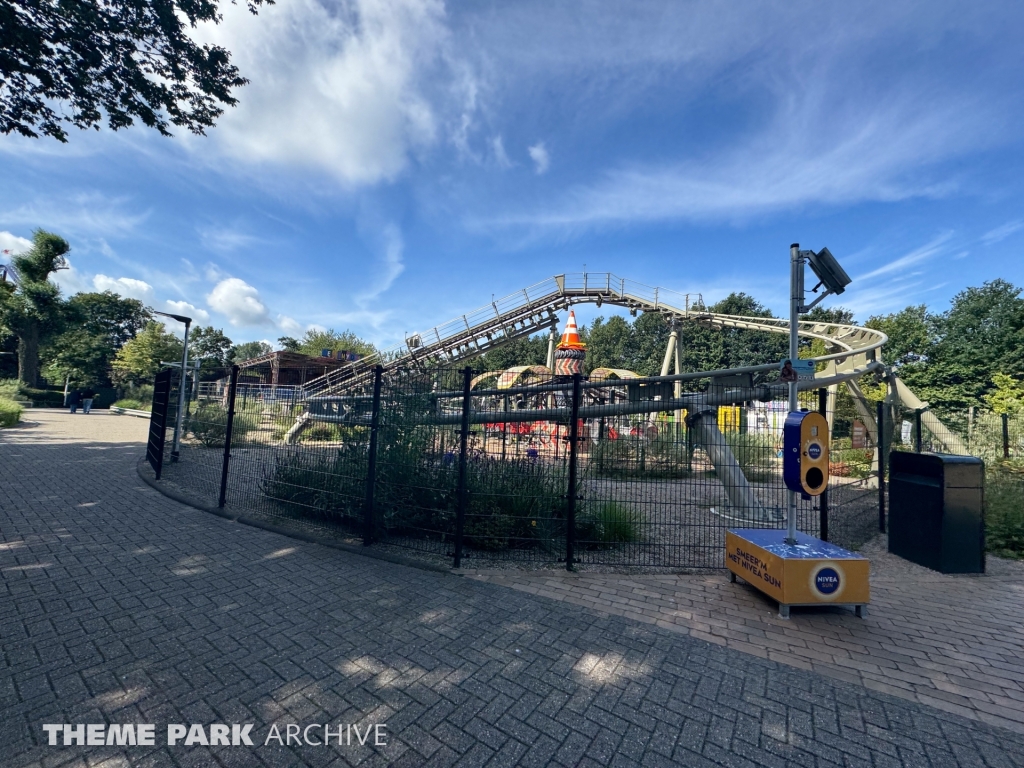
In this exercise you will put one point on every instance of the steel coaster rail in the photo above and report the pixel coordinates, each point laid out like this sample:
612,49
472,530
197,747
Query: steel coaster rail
535,308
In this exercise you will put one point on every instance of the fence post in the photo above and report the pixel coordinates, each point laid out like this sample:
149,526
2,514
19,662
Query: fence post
1006,436
917,430
371,461
823,498
574,435
881,466
232,389
460,515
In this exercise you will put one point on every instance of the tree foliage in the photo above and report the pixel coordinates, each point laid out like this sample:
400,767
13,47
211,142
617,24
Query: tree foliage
33,311
248,350
212,349
138,361
314,341
80,63
97,326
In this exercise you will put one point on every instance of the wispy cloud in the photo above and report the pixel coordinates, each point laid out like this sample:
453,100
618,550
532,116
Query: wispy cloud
916,256
541,158
1000,233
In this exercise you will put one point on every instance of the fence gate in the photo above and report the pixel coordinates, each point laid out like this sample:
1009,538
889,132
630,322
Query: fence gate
158,421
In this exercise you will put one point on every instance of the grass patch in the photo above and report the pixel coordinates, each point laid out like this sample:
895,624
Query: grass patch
135,405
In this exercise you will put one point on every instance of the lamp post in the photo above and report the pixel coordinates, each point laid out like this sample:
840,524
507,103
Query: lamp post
834,279
181,387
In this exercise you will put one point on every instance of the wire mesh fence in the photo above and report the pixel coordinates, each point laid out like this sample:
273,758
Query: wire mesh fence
507,473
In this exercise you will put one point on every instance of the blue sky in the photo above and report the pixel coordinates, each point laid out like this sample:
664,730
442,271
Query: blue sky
394,163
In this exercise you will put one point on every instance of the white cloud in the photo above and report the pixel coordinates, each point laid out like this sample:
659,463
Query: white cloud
197,314
14,244
128,287
391,264
926,251
999,234
350,88
498,146
288,325
541,158
239,302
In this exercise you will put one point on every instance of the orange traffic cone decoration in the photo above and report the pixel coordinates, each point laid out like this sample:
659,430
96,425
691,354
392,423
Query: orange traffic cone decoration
571,336
571,351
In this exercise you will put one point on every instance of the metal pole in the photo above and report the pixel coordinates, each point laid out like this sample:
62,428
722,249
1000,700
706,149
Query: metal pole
881,466
917,431
574,433
371,461
460,515
823,398
796,300
1006,436
181,394
232,388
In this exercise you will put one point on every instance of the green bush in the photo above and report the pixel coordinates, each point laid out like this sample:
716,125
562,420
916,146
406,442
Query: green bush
208,424
10,389
44,397
846,461
10,412
1004,510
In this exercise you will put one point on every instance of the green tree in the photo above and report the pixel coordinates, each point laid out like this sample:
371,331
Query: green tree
910,333
249,350
528,351
316,341
1007,396
98,325
33,310
80,62
138,361
212,349
288,344
608,343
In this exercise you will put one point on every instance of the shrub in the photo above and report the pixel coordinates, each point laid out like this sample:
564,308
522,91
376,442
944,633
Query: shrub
10,389
10,412
320,485
1004,511
208,424
45,397
846,461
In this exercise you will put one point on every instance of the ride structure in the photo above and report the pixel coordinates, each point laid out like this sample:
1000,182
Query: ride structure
851,353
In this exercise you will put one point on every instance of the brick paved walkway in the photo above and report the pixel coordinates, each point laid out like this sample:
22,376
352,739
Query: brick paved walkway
118,605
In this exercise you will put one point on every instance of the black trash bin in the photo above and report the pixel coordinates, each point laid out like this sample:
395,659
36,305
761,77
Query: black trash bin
935,511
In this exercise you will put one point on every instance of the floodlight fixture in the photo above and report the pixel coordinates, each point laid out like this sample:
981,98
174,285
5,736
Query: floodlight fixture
831,275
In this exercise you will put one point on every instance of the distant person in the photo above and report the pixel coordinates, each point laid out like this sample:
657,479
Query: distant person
75,400
87,397
788,374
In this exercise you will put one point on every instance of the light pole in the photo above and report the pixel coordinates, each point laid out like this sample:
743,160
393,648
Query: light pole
834,279
181,387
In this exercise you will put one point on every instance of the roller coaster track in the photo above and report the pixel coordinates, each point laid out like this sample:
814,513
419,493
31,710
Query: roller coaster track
536,309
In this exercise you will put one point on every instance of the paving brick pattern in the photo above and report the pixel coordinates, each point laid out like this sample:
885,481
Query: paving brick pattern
956,643
119,605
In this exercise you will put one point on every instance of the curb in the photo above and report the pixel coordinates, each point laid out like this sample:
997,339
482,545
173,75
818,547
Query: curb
130,412
289,532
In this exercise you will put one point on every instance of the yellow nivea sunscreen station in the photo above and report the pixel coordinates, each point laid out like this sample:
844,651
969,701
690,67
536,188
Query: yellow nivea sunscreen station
788,566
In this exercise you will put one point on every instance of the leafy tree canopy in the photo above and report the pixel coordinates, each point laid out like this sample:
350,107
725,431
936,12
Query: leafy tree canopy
289,344
98,325
79,63
138,361
33,310
315,341
1007,396
250,349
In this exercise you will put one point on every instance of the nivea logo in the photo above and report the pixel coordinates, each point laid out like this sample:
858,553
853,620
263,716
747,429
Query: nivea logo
827,581
814,451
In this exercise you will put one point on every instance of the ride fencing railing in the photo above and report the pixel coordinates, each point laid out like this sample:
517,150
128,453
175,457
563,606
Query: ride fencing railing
535,469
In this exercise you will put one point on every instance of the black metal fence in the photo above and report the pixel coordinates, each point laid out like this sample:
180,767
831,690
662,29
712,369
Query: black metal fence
527,467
